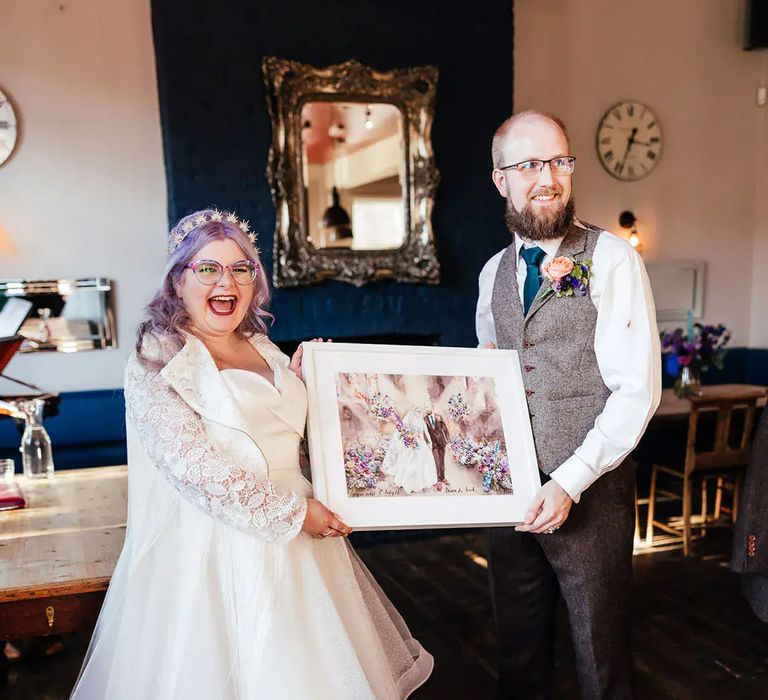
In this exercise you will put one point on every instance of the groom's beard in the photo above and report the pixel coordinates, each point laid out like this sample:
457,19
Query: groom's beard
539,228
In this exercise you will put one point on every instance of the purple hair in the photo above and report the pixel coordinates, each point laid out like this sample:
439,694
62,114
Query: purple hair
166,319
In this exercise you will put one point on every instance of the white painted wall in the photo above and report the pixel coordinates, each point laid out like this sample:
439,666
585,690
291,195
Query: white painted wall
84,194
706,199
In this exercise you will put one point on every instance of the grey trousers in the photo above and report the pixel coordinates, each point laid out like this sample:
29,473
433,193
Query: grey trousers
589,561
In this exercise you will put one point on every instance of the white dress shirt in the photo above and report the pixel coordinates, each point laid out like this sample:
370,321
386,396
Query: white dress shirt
626,346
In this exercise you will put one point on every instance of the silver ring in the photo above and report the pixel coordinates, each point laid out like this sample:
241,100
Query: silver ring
551,530
327,532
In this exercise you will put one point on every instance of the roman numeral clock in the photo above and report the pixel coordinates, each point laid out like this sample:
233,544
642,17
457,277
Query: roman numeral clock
7,128
629,141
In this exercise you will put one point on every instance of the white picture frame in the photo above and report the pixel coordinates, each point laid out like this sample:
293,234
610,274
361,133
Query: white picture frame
339,377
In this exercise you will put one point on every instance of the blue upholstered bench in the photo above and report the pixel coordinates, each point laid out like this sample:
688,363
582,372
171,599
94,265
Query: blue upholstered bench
89,431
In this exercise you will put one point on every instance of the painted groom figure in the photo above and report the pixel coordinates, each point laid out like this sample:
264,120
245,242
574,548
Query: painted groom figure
439,438
591,369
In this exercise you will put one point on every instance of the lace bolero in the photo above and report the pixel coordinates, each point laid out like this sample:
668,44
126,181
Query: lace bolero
174,438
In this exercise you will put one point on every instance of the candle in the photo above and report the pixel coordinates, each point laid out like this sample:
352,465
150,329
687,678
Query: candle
690,326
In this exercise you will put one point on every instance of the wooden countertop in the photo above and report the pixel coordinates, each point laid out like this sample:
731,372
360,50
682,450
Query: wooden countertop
69,537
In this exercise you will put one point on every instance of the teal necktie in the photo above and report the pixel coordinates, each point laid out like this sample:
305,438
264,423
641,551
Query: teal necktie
533,257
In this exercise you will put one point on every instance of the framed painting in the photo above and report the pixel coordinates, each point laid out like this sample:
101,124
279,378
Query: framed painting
419,437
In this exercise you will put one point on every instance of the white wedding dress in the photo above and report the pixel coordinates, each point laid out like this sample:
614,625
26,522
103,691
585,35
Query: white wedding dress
412,468
217,595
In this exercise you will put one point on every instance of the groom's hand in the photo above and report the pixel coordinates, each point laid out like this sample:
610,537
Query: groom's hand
550,509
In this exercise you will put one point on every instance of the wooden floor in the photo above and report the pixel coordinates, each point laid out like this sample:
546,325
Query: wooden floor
694,636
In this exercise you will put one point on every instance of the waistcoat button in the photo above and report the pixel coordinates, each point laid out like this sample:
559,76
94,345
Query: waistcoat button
529,392
528,368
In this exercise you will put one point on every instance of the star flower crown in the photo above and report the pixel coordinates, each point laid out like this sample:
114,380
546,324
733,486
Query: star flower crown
179,233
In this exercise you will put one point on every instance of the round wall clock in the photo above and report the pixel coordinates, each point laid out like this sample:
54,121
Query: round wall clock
8,130
629,141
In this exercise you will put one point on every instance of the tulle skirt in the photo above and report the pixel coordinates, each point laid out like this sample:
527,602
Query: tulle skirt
198,610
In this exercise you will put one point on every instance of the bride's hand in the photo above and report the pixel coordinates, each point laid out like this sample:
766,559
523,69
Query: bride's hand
295,365
321,522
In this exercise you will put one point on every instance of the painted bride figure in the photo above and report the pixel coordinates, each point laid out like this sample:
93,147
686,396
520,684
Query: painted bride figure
233,581
412,467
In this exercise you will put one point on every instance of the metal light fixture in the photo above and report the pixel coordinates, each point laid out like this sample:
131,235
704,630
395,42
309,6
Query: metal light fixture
335,220
335,223
628,220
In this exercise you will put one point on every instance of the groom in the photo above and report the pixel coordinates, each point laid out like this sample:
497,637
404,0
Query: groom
590,364
439,438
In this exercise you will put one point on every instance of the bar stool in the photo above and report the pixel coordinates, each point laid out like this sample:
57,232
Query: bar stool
725,463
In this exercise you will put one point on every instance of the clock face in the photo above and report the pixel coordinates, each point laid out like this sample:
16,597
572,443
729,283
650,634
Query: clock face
629,141
8,129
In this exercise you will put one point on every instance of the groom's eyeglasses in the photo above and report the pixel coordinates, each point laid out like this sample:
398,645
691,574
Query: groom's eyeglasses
210,272
530,169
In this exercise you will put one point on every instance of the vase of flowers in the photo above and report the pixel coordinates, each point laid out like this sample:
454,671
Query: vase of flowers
688,382
693,352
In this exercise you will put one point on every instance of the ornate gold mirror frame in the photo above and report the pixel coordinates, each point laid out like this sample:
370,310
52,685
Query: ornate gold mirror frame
297,261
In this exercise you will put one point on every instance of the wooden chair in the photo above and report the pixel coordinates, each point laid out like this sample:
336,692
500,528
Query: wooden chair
727,458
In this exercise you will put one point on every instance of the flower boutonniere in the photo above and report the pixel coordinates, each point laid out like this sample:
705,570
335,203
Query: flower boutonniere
568,276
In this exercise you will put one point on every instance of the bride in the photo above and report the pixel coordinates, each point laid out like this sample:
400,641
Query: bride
412,466
233,583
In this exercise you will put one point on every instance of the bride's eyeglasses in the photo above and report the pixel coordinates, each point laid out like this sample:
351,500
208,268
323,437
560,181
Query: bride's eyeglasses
210,272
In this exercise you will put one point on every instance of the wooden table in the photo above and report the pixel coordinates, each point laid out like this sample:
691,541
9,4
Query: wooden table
58,554
673,407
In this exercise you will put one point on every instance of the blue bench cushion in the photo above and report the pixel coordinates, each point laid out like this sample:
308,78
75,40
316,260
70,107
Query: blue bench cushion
88,431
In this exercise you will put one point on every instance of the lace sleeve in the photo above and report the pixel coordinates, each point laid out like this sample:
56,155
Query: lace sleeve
174,438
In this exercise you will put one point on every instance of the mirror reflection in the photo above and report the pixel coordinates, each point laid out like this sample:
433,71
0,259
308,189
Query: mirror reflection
353,156
67,315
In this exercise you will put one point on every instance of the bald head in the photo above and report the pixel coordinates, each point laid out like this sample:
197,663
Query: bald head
530,126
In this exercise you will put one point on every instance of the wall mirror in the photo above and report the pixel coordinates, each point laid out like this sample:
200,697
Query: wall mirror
352,173
67,315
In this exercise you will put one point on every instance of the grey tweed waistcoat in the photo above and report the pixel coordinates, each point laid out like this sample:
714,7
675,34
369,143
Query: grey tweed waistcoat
555,341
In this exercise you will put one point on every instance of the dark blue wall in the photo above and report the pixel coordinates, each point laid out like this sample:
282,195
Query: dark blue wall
216,135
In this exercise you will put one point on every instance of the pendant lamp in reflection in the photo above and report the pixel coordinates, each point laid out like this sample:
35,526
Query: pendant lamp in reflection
335,220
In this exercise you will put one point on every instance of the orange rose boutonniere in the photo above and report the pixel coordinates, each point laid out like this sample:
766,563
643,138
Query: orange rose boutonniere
569,277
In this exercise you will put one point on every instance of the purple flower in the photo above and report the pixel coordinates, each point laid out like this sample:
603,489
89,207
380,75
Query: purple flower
707,346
